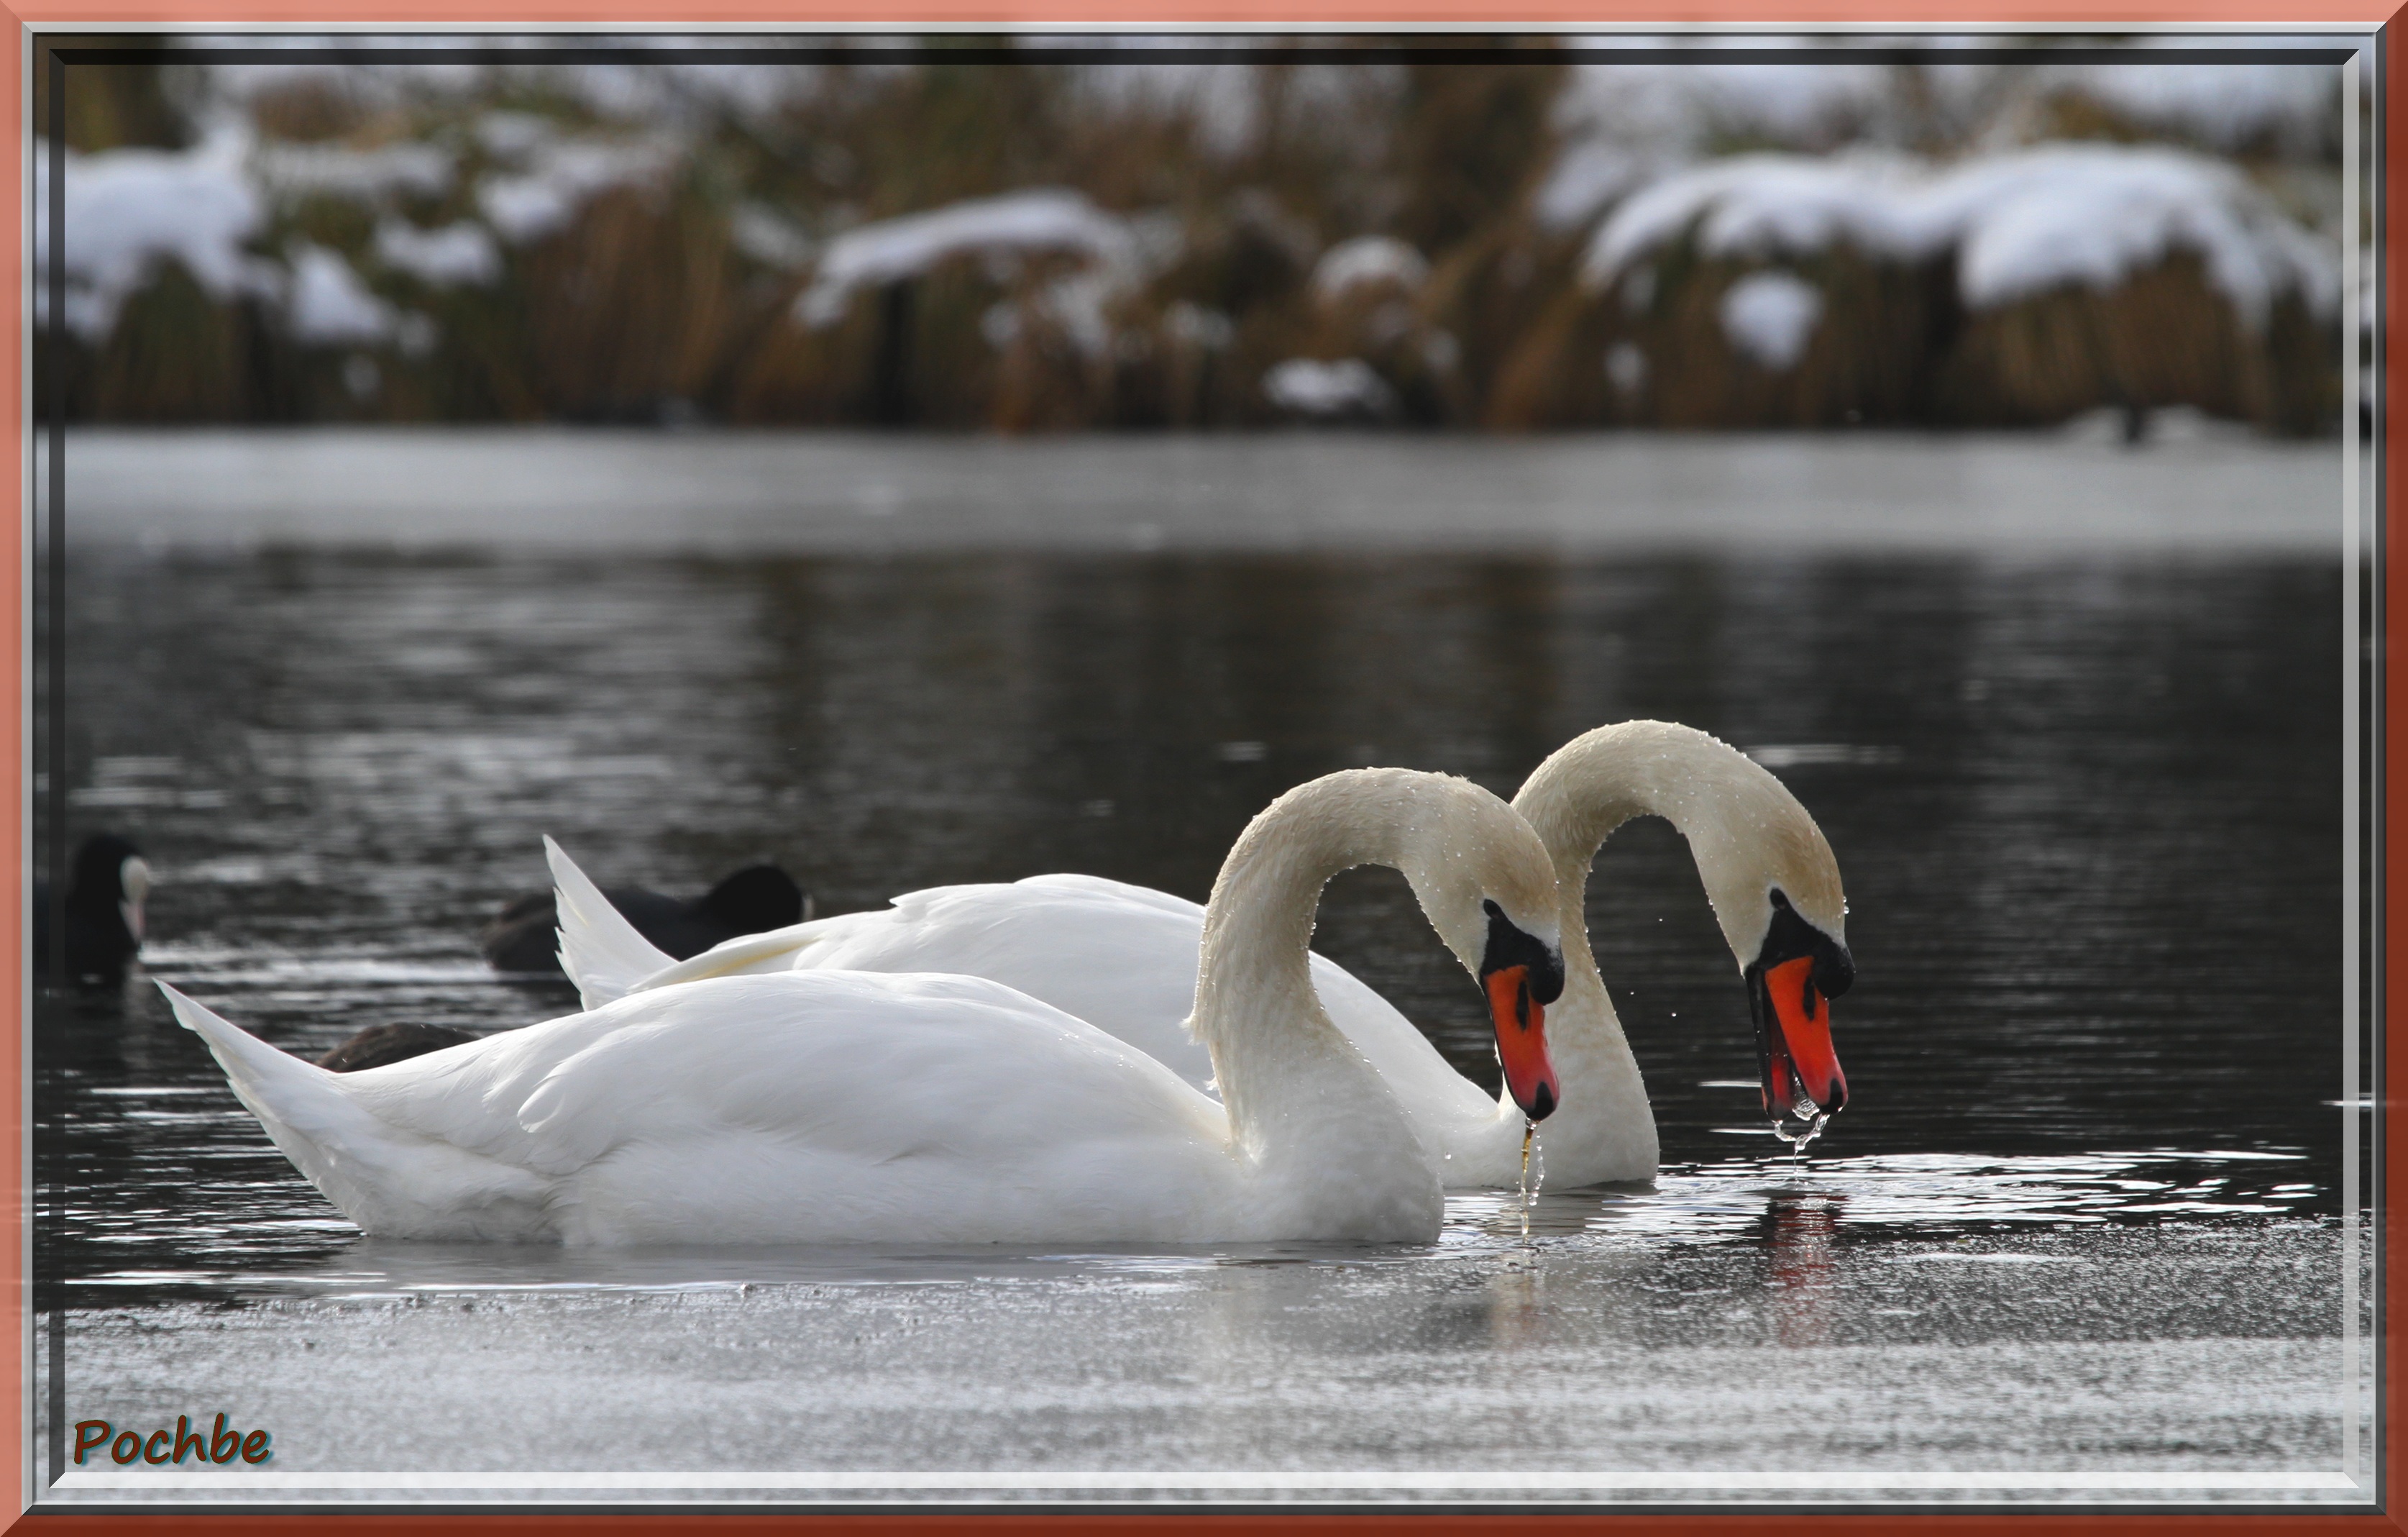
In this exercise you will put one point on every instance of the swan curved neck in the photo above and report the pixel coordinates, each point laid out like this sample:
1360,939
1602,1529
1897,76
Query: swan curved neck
1738,821
1287,1073
1577,798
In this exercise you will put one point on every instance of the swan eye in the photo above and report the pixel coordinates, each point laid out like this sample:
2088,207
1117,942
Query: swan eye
1834,970
1790,937
1509,945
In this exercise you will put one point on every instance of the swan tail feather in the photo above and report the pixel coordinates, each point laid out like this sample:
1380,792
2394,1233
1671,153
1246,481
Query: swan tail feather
386,1178
274,1083
600,949
303,1107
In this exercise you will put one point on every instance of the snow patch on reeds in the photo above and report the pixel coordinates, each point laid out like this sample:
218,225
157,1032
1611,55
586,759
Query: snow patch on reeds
2021,224
127,210
461,254
1347,388
1366,261
363,176
1042,221
329,305
559,178
1769,317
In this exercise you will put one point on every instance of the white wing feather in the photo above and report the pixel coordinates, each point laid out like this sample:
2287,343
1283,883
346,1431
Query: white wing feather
600,949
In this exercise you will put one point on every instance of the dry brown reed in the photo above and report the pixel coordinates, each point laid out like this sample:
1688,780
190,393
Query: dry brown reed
642,306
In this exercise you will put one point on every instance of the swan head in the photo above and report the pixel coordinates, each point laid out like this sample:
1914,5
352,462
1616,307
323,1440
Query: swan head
1775,889
1486,884
133,881
1522,974
1796,972
1480,874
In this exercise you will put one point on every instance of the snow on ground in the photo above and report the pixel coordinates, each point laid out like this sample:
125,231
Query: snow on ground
2020,224
1043,219
1669,113
2225,104
1222,100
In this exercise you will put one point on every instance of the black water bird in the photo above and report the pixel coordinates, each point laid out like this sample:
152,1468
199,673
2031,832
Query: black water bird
107,884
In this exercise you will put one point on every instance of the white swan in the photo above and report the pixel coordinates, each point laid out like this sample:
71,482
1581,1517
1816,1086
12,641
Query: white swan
1124,957
825,1106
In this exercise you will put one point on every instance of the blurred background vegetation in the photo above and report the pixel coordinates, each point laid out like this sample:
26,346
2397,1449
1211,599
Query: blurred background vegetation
975,235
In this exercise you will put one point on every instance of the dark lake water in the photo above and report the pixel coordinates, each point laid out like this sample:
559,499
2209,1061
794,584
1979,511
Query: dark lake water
2088,808
2089,815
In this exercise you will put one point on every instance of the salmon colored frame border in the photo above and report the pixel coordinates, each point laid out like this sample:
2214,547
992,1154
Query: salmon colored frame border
1535,15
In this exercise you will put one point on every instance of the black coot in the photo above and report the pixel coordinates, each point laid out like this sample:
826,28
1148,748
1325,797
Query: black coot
107,884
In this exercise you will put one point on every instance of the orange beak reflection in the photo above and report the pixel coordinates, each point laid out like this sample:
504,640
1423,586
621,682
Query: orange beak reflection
1802,1069
1521,1023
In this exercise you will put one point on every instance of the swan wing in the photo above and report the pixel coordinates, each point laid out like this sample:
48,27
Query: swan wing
1103,889
1447,1109
800,1106
874,1105
1123,958
601,951
1120,957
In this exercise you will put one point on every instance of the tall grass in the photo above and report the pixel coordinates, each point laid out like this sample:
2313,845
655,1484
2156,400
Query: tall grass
644,306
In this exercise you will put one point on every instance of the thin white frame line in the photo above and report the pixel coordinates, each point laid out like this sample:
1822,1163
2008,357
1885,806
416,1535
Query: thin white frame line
1134,28
2353,662
34,443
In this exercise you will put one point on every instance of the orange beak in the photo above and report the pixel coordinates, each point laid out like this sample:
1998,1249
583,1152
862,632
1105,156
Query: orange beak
1521,1023
1802,1069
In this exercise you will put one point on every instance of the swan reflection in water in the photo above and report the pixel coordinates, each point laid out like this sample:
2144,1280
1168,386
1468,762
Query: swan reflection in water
1799,1232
